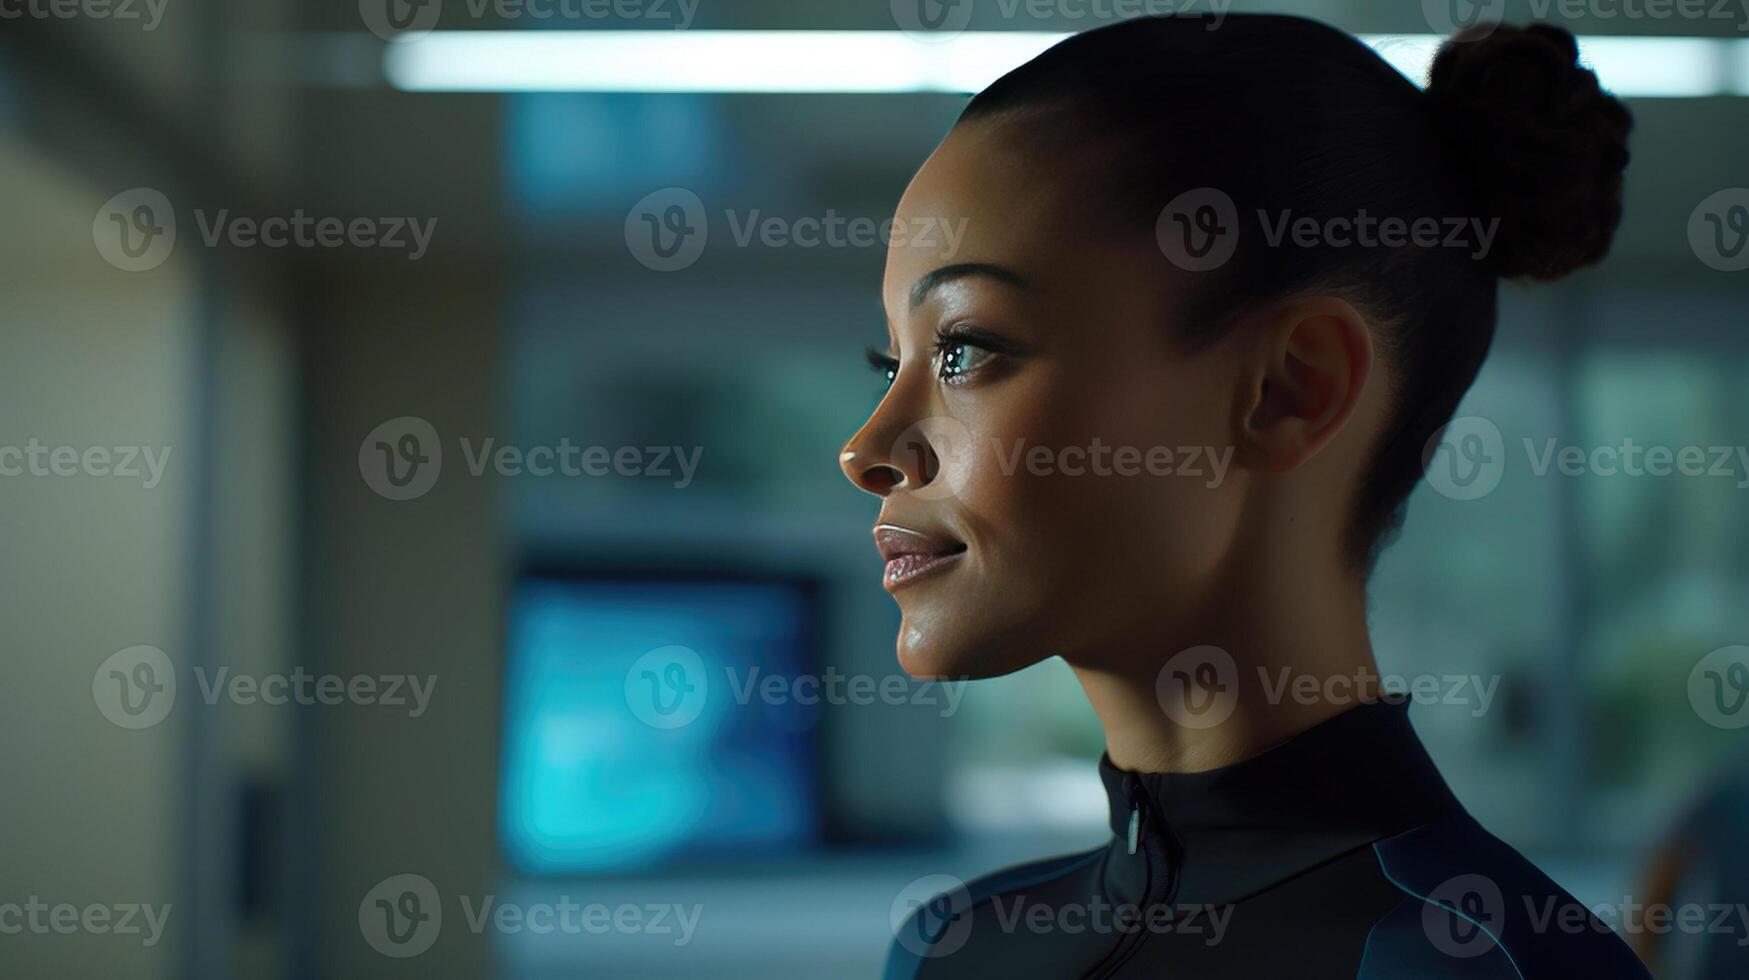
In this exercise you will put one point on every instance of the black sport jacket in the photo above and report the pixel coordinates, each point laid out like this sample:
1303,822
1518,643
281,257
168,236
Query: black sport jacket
1340,853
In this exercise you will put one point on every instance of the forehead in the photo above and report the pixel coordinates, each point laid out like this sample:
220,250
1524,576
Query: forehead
984,196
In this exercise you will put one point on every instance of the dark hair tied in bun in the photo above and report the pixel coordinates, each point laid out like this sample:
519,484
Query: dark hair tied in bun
1543,146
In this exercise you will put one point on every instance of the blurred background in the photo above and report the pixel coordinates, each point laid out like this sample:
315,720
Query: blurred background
416,528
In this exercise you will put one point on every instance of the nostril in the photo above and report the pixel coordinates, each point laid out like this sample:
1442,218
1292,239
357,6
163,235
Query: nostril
882,478
879,464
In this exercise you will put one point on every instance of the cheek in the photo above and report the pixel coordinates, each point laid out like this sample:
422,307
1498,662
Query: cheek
1105,503
1091,516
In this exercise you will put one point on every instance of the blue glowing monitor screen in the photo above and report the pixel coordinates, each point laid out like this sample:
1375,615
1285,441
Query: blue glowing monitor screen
653,721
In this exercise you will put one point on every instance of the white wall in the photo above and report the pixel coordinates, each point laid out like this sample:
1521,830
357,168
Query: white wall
89,356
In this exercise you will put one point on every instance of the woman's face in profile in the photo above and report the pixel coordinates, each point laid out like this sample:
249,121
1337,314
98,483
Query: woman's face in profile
1057,474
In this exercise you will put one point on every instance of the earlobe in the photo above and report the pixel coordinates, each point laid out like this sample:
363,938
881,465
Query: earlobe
1313,359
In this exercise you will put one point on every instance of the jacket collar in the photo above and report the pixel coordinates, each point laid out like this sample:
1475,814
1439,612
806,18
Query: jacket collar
1358,777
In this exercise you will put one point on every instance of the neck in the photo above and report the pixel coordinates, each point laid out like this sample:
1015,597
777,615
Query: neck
1282,657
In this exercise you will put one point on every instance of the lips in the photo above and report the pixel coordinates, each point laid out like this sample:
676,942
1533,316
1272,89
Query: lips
911,554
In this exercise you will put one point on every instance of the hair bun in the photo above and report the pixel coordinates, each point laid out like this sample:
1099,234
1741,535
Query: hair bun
1542,145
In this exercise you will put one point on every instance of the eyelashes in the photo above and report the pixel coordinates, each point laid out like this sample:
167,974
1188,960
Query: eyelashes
885,365
960,351
968,335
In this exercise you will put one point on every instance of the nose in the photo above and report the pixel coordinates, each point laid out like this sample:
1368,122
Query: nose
885,456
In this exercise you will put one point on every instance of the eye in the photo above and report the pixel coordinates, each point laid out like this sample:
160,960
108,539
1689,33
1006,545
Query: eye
963,350
958,359
885,365
960,352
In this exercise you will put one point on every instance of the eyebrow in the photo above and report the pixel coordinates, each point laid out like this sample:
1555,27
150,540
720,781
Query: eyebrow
929,280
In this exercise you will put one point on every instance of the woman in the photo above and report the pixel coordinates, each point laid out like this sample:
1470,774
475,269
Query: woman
1219,283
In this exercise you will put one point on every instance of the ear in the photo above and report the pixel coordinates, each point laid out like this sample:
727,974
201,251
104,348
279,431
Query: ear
1307,372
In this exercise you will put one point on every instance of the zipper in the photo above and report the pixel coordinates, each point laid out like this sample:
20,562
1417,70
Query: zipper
1153,840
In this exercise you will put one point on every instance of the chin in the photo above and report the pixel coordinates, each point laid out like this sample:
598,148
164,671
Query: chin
957,652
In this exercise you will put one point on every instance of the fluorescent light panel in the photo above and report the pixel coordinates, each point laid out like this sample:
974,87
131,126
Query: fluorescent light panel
892,61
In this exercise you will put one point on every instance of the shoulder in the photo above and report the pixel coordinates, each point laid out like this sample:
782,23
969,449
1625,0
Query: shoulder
946,915
1474,907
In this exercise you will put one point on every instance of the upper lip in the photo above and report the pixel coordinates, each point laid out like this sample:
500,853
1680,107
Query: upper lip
894,540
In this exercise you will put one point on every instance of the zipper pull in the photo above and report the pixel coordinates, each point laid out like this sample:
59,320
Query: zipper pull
1133,788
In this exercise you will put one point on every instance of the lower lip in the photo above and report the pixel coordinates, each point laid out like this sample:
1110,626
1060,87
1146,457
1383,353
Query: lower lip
905,569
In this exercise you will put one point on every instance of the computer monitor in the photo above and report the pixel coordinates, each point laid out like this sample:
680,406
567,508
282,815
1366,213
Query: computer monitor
653,719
